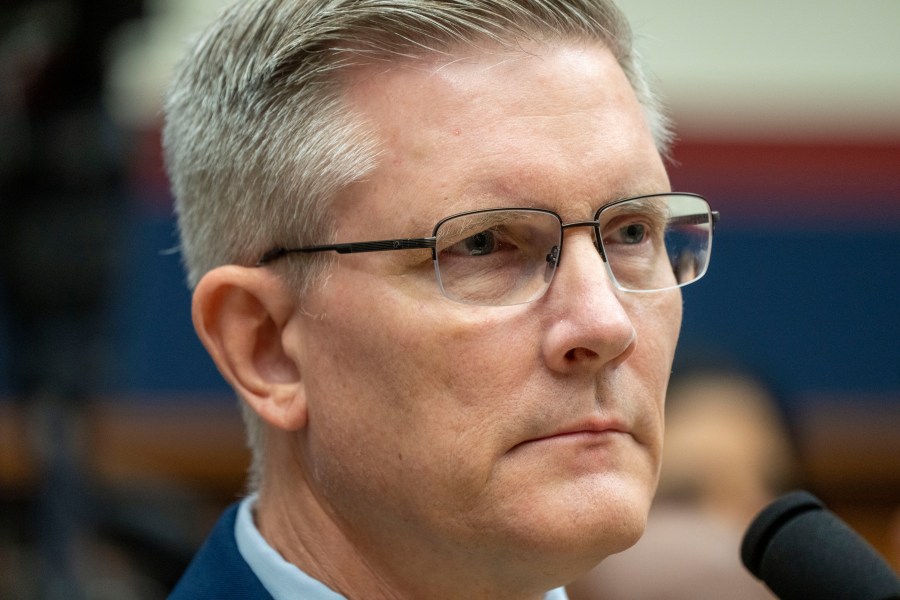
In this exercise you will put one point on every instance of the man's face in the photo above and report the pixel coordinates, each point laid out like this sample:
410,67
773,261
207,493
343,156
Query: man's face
521,432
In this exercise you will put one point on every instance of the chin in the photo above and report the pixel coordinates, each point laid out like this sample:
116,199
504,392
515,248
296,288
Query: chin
587,525
623,520
615,524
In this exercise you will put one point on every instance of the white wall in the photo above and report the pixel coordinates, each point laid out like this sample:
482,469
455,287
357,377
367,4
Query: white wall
770,68
732,68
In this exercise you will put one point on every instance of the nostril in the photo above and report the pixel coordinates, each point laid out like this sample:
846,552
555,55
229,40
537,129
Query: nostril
577,354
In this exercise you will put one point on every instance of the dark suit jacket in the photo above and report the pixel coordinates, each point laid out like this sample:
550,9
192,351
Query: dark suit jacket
218,571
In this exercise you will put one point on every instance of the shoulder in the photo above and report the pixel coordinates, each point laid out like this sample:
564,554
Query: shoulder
218,571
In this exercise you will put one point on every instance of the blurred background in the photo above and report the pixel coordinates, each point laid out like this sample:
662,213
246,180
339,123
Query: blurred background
120,444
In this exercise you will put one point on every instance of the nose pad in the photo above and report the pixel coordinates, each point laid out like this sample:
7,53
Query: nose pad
552,262
553,256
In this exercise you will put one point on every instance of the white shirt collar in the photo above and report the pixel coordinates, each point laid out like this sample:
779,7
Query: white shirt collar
285,581
282,579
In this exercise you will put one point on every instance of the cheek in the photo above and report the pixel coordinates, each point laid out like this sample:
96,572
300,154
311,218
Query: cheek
406,357
657,321
405,421
424,380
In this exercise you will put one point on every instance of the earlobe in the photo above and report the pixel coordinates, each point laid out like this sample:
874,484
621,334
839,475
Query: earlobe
240,315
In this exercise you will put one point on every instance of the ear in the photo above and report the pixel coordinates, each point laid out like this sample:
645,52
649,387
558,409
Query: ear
240,314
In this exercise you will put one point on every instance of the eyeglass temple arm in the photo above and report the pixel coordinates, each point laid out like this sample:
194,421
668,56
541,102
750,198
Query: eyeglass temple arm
350,248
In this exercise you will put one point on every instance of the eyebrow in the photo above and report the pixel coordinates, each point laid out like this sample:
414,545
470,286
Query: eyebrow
478,220
638,204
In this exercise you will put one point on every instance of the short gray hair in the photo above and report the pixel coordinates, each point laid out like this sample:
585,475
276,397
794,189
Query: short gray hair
258,140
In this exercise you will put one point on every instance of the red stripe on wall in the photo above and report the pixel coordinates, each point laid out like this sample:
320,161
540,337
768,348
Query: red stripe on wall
819,181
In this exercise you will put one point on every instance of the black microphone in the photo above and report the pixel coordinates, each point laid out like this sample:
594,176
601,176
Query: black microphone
803,551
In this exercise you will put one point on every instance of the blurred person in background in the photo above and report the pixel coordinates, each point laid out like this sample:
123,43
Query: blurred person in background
728,453
474,413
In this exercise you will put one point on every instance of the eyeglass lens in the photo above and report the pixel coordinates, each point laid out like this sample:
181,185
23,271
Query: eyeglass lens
503,257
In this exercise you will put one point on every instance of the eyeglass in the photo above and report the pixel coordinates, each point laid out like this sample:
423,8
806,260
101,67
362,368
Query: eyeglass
507,256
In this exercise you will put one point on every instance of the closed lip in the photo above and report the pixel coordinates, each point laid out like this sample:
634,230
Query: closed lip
594,426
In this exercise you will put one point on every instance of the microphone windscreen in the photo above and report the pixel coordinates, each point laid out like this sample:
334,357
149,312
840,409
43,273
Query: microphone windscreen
801,550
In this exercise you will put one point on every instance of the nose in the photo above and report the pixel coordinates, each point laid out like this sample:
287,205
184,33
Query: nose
587,326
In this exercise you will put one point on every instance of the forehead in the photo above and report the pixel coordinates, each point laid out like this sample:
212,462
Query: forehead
544,125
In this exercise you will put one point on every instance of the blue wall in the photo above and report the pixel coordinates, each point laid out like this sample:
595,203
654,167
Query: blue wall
819,311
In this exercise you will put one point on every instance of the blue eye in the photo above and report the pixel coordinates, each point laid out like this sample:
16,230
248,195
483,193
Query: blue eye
633,234
480,243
